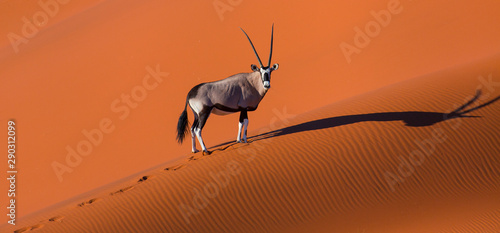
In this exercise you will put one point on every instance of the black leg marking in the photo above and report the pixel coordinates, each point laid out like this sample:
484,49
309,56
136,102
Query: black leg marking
243,115
204,114
195,124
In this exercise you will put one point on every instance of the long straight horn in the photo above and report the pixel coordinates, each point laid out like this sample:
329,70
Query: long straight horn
255,51
271,52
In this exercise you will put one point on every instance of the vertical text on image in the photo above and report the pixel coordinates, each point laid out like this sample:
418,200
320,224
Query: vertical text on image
11,171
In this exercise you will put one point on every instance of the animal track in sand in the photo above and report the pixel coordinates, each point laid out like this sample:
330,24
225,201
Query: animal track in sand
38,226
144,178
232,146
91,201
24,229
200,156
177,167
56,219
122,190
30,228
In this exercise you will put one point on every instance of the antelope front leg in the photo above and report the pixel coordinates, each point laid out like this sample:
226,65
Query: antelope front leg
242,124
238,138
245,127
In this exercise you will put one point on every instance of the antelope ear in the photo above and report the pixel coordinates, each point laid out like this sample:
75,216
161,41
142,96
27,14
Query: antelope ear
275,66
254,67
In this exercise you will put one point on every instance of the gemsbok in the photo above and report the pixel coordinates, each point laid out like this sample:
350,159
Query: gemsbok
237,93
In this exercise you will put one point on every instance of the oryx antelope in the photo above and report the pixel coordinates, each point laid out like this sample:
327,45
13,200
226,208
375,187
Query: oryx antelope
238,93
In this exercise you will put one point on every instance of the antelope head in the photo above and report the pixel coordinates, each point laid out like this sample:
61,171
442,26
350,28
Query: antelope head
265,71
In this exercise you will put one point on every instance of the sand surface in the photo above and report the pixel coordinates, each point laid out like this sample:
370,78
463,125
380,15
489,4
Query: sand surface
393,160
345,115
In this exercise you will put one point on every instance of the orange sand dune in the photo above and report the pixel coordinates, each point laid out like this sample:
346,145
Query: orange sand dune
385,161
67,78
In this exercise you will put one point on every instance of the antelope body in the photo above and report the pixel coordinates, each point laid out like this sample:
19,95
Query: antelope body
237,93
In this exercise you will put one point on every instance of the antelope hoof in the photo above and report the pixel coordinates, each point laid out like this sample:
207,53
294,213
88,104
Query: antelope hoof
238,141
195,151
207,152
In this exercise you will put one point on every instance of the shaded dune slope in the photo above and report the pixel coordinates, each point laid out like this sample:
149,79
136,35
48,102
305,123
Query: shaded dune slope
392,160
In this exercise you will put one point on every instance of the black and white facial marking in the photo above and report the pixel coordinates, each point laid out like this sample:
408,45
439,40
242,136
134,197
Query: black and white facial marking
265,74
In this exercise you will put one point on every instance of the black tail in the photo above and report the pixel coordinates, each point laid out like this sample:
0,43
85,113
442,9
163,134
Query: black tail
182,125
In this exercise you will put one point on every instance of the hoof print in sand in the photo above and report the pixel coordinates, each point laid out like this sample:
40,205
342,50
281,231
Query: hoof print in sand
56,219
91,201
144,178
25,229
123,190
175,168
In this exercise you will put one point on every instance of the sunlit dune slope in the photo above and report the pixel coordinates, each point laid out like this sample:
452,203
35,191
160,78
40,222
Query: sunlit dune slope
67,65
418,156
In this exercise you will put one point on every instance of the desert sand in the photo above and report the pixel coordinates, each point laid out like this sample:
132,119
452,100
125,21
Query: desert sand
357,165
341,143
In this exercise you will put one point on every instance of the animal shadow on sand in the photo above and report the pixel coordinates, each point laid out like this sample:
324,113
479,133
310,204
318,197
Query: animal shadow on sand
410,119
